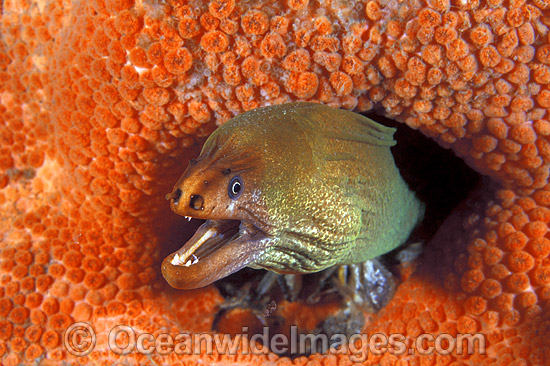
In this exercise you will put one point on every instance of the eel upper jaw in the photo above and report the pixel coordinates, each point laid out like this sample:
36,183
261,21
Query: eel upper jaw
218,249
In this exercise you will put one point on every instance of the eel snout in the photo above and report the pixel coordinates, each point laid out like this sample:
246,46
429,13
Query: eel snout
218,249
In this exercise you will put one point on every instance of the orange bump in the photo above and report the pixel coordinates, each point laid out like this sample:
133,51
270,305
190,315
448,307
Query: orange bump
523,134
6,306
72,259
429,18
99,70
33,333
100,42
524,54
518,282
425,35
324,43
489,56
279,24
221,9
32,301
490,288
540,276
519,75
504,302
244,93
373,10
297,4
75,275
199,111
515,241
543,98
445,35
542,198
66,305
302,37
136,143
228,58
481,35
331,61
250,66
138,57
298,60
214,41
304,84
129,75
130,125
34,351
156,96
543,54
255,22
19,315
404,89
536,229
271,89
154,53
341,83
178,61
519,220
273,46
527,299
17,343
539,248
59,321
127,281
395,28
352,65
126,22
416,71
188,28
475,305
457,49
485,143
520,261
504,66
471,280
231,75
116,136
82,312
526,34
177,109
209,22
508,43
229,26
435,75
94,280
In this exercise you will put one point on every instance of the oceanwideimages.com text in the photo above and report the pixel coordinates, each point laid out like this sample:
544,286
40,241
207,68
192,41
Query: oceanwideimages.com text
80,339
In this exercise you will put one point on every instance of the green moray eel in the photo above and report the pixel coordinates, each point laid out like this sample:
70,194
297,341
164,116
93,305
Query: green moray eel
292,188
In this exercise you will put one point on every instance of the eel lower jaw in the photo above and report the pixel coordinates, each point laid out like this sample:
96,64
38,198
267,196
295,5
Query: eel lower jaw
218,249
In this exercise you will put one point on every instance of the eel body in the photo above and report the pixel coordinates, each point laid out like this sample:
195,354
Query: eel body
292,188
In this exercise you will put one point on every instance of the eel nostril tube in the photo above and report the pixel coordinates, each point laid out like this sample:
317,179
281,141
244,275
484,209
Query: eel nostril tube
176,195
196,202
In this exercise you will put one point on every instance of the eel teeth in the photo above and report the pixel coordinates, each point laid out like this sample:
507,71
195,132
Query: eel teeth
178,259
189,262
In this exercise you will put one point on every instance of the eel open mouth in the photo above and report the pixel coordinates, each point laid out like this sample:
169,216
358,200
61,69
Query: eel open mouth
218,249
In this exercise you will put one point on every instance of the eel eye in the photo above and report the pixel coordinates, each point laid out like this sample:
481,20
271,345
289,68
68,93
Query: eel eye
236,187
